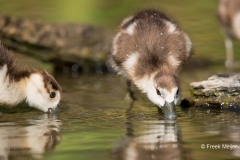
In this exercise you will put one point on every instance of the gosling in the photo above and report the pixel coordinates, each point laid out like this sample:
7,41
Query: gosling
39,88
148,50
229,18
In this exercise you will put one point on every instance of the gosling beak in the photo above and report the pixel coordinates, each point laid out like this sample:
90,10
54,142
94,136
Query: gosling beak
50,110
54,109
169,110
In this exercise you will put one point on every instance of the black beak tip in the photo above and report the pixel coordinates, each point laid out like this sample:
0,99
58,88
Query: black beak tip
50,110
169,111
53,110
171,115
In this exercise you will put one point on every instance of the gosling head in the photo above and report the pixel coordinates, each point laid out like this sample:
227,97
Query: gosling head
165,93
43,92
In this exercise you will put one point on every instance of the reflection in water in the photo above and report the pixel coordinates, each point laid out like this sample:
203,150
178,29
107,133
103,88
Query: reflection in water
222,126
32,138
231,136
149,140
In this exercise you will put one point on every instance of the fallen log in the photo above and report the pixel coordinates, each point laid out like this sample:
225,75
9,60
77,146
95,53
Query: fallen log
60,43
220,90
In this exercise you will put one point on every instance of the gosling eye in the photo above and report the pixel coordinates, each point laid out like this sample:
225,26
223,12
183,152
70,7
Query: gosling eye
158,92
52,94
177,93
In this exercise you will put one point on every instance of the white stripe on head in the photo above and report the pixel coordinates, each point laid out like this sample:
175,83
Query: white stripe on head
131,28
114,49
171,26
126,20
131,62
173,61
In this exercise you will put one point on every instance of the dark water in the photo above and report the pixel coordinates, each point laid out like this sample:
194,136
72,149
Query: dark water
95,119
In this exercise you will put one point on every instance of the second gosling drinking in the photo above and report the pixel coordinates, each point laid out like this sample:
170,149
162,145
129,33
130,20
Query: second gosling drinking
148,50
38,87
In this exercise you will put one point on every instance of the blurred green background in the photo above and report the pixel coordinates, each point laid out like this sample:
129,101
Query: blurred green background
197,18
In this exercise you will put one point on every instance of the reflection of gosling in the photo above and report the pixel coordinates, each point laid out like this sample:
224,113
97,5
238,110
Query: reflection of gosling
150,140
148,50
35,137
38,87
229,17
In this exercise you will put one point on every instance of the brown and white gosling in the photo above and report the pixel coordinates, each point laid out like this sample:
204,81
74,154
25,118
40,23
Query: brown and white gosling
148,50
229,18
38,87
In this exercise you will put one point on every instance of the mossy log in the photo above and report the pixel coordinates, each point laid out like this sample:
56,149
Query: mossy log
59,43
220,90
